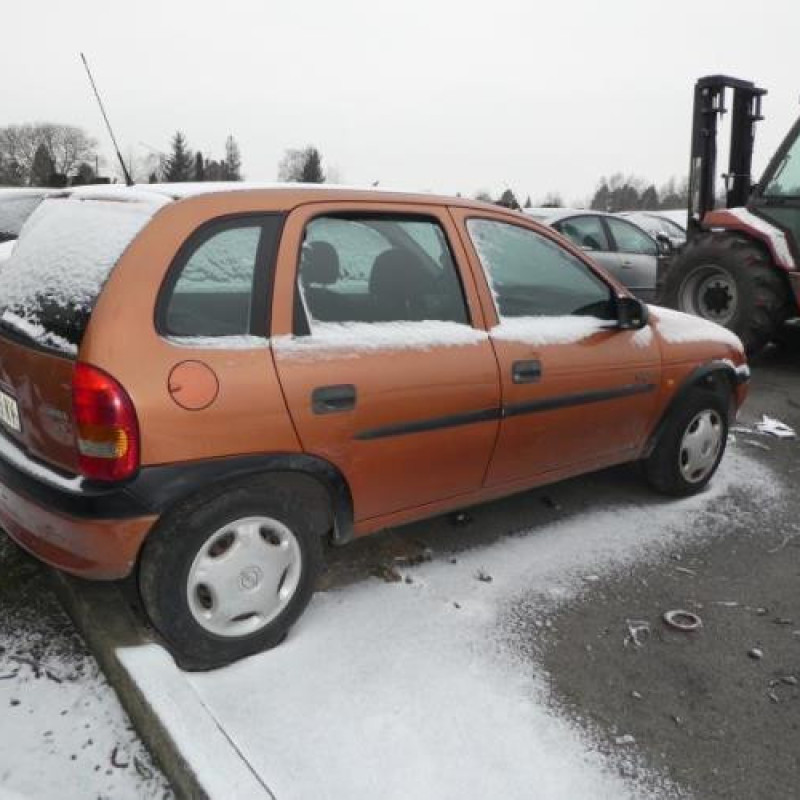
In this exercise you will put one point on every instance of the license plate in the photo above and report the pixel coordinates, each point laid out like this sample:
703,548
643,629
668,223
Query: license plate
9,412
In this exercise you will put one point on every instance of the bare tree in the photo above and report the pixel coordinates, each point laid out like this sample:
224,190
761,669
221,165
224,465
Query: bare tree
67,145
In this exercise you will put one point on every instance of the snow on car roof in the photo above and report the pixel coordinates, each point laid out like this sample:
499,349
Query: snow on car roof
181,191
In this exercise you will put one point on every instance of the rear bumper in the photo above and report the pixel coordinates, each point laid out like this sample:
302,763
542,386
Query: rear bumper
92,532
102,549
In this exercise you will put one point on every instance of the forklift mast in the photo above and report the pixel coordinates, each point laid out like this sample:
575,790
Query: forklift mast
709,106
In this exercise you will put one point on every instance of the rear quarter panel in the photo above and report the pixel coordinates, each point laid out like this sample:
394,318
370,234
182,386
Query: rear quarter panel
248,414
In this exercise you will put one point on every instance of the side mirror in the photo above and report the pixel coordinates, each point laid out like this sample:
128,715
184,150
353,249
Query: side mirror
632,314
665,247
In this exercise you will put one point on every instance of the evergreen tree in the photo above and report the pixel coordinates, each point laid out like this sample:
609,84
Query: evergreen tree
528,203
602,198
507,200
301,166
214,170
199,167
179,164
42,169
232,166
649,198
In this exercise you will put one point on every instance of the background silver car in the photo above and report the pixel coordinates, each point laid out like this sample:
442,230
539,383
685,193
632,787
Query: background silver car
626,251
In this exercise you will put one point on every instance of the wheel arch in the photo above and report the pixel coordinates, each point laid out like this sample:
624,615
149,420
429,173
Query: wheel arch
718,376
167,488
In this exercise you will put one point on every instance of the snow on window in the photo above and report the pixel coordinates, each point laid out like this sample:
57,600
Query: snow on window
540,331
366,337
15,208
678,328
64,255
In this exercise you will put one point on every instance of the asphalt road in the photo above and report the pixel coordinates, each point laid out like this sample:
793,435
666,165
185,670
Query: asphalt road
703,709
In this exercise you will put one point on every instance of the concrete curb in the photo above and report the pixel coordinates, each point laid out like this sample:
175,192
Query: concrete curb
175,725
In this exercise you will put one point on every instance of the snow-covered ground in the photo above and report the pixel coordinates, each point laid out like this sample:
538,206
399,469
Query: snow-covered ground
63,733
421,688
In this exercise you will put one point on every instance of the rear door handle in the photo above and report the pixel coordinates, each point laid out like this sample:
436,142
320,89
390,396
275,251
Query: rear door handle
332,399
526,371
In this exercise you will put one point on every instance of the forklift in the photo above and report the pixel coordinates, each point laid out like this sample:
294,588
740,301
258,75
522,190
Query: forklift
740,266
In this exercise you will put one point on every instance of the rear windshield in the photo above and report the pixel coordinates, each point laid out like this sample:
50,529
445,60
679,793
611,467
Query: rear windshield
64,255
15,208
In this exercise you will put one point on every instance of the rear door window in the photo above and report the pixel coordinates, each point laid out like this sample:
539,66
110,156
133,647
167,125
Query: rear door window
378,268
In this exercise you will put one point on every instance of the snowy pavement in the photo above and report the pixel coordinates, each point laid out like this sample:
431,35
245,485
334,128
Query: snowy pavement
420,687
63,731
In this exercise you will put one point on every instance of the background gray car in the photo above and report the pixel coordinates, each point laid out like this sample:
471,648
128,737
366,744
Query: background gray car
622,248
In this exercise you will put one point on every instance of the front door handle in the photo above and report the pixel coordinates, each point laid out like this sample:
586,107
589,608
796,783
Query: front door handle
526,371
332,399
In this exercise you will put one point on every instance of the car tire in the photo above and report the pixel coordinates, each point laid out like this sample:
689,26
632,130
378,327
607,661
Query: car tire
227,576
729,279
690,446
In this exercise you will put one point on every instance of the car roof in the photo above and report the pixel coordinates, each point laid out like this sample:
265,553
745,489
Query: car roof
287,194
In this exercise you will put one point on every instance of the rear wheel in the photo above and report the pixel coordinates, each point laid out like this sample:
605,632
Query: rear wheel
690,446
730,280
228,576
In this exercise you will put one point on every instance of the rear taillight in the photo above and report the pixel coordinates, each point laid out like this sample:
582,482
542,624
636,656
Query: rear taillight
106,426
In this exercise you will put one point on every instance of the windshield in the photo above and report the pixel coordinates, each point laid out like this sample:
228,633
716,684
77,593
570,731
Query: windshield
785,181
63,256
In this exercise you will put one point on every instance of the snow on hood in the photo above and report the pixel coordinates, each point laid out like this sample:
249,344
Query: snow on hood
676,327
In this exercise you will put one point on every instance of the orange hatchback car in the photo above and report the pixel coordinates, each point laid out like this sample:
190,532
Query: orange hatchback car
200,386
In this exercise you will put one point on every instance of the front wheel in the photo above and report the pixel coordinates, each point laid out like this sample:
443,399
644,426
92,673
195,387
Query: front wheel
228,576
690,446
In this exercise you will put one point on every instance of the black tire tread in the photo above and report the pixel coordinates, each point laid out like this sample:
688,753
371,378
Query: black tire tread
765,299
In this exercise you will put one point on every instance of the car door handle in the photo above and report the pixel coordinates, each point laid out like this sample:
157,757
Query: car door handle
627,263
332,399
526,371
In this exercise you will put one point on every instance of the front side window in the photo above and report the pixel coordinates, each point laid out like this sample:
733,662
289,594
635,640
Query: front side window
586,232
531,275
786,180
631,239
376,268
212,292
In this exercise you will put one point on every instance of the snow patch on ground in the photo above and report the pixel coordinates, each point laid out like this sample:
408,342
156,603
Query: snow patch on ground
679,328
418,690
62,729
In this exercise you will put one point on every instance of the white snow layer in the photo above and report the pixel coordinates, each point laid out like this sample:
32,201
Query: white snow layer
6,248
540,331
365,337
66,251
420,691
679,328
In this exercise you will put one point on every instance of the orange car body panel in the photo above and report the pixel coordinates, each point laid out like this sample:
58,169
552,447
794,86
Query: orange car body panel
197,402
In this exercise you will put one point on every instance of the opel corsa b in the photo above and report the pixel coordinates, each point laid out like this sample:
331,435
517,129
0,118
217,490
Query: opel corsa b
201,386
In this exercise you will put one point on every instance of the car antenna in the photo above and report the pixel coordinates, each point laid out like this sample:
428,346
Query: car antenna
127,175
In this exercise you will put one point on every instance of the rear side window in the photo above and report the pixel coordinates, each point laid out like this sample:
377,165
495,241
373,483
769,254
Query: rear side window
15,208
68,247
377,268
216,287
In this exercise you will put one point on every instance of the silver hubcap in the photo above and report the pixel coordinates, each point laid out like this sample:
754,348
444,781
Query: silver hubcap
710,292
244,576
700,446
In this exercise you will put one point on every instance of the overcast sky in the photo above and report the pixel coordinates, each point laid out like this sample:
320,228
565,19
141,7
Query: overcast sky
447,96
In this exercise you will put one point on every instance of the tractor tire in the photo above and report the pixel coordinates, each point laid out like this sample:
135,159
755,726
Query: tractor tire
729,279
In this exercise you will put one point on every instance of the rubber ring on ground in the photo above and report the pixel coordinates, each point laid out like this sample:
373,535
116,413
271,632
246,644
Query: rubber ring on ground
682,620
